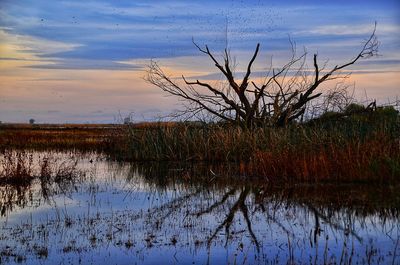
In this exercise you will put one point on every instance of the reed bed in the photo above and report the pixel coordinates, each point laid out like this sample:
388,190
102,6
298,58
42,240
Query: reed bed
342,151
375,158
363,148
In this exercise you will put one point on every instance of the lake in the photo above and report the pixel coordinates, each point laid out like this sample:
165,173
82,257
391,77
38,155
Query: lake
153,213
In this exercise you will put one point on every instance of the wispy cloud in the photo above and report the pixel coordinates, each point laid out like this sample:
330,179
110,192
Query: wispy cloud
20,44
354,29
85,65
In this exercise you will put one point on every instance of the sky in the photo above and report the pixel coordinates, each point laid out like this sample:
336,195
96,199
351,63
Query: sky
84,61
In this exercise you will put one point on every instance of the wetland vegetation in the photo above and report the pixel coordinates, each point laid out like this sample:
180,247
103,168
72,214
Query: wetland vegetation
345,146
324,192
270,178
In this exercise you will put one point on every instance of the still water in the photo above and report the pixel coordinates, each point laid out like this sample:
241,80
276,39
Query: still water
121,213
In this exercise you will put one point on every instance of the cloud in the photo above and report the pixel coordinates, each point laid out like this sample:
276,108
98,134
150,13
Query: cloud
348,29
30,45
390,62
110,30
47,41
261,74
13,59
46,54
85,65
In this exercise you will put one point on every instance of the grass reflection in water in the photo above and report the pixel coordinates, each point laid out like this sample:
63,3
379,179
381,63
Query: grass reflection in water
182,214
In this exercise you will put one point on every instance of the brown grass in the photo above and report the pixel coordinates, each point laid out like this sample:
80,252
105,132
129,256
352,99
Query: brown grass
84,138
374,159
349,152
355,151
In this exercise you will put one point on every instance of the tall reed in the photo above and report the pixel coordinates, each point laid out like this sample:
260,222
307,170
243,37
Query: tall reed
354,151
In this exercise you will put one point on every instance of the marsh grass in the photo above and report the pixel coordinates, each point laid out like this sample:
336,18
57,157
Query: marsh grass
348,150
355,148
78,137
376,157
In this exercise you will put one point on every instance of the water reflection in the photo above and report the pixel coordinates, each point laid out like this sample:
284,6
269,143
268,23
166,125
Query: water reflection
180,214
26,179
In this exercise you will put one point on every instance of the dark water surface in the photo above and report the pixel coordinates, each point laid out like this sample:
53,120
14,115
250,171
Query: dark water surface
169,214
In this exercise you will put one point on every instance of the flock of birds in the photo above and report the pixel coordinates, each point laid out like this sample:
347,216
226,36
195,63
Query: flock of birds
233,22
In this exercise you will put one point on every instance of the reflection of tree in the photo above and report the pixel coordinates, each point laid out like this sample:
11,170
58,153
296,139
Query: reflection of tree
239,205
217,203
250,202
168,209
331,222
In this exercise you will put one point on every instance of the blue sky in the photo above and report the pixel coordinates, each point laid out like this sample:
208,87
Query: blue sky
83,61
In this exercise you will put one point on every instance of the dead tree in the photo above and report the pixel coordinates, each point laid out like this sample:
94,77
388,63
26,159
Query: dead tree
280,99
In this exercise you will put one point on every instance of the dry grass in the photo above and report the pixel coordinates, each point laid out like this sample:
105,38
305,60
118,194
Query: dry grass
356,150
342,152
84,138
374,159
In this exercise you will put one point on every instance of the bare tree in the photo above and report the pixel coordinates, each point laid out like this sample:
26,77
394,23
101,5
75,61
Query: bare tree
282,97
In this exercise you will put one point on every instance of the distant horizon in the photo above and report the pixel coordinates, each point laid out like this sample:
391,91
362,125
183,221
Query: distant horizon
74,62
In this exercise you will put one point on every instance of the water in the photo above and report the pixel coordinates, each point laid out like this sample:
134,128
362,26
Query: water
121,213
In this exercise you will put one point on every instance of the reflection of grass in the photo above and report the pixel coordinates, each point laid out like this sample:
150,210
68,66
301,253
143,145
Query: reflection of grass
364,198
325,209
20,168
219,212
16,168
19,171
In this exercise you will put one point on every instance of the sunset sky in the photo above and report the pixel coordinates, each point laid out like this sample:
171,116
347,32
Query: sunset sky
84,61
